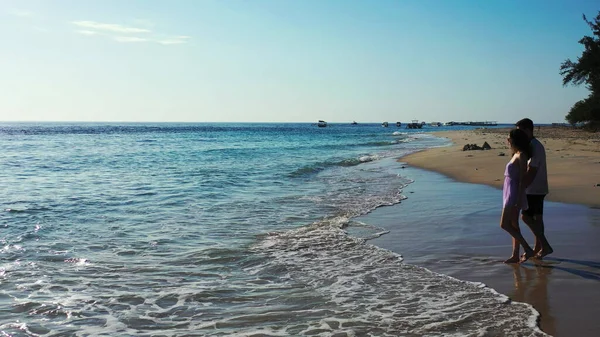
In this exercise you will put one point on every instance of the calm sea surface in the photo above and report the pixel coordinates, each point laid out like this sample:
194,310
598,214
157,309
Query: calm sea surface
218,230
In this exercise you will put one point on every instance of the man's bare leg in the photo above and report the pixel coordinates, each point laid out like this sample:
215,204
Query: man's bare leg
546,248
536,224
537,232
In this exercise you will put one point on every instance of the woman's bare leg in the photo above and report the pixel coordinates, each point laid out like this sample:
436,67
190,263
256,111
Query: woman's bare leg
508,223
516,247
505,219
515,222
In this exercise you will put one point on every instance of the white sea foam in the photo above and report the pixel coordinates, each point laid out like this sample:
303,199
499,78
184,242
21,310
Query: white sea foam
368,158
372,291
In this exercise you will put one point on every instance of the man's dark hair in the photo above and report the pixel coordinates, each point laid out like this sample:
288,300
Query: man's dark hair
525,123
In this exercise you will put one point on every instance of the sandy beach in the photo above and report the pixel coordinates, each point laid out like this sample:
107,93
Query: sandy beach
450,223
573,158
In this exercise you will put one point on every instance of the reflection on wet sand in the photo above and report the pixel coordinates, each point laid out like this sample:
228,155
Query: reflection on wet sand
594,216
531,286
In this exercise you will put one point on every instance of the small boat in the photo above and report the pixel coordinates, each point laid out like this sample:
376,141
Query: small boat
354,123
384,124
414,125
398,124
435,124
322,124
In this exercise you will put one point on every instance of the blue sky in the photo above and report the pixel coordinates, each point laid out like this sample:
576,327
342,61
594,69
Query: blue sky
288,61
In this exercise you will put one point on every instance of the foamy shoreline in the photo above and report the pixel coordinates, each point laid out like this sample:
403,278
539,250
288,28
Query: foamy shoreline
466,242
452,228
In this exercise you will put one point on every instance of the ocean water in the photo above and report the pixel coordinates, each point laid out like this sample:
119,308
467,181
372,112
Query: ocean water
219,230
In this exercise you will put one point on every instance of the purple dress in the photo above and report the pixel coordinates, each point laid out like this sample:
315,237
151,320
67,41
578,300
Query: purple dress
511,187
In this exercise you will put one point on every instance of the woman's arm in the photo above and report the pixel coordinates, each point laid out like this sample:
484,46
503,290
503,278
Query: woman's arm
522,162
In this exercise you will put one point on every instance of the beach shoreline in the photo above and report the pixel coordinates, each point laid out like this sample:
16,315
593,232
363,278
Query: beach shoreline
452,228
573,158
563,288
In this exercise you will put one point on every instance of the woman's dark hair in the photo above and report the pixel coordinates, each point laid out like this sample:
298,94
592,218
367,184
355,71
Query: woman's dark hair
520,141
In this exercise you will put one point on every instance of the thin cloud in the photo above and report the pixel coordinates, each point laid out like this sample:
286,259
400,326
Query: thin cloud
168,42
21,13
180,39
109,27
87,32
126,34
129,39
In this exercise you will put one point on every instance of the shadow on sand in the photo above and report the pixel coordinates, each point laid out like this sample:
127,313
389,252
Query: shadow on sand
591,264
552,263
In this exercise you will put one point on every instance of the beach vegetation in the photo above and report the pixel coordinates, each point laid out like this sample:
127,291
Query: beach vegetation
585,71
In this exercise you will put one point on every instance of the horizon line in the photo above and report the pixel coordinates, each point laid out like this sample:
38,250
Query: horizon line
247,122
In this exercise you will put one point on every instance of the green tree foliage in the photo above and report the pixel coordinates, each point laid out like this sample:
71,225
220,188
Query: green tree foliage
586,70
587,110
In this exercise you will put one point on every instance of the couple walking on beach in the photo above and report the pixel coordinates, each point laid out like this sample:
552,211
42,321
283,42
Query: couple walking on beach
525,186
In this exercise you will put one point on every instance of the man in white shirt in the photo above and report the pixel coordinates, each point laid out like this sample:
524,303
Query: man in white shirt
536,182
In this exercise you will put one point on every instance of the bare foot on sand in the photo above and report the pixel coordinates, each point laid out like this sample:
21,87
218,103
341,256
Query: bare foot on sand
545,251
526,256
512,259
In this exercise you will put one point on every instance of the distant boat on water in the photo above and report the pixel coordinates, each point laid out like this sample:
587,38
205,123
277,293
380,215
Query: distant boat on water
414,125
384,124
322,124
485,123
354,123
398,124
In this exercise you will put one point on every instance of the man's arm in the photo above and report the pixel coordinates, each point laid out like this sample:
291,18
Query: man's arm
538,155
529,175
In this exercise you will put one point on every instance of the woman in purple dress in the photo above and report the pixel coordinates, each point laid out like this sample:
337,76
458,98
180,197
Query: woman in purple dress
513,193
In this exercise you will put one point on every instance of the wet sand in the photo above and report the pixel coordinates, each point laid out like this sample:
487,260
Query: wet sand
452,228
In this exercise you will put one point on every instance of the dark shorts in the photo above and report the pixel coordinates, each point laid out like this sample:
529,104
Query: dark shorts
536,204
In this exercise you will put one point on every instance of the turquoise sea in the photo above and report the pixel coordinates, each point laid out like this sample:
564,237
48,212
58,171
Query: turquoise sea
166,229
